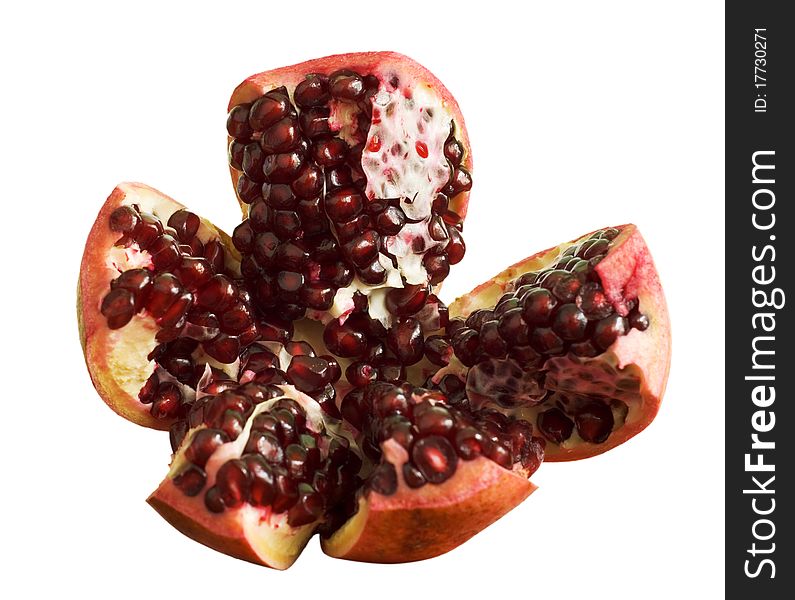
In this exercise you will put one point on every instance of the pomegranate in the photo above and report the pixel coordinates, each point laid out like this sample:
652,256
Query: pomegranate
310,377
441,474
256,474
353,172
575,339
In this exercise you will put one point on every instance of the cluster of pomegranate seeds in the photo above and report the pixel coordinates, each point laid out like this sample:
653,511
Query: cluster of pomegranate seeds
312,226
435,435
378,353
592,417
285,465
186,288
548,313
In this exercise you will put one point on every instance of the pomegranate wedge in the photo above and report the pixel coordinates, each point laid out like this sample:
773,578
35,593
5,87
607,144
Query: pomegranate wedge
156,288
353,172
575,340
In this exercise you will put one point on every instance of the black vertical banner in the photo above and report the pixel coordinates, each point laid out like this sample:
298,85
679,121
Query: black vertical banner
760,266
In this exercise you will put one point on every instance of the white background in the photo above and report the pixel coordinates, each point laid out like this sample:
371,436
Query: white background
581,115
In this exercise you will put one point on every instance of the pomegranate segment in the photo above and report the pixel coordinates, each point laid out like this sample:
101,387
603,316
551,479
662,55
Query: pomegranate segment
256,474
354,173
158,307
416,524
575,340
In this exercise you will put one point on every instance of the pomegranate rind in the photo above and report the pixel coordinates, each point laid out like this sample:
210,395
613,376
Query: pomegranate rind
117,359
416,524
250,533
627,271
239,533
376,63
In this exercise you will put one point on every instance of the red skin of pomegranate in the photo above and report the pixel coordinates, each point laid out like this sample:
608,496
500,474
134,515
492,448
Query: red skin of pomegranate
116,359
376,63
415,524
228,532
627,272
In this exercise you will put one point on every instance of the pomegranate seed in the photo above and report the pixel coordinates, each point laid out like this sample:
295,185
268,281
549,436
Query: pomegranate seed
118,307
237,122
286,492
147,231
438,267
267,110
344,340
438,350
167,401
282,136
431,420
407,300
343,204
278,196
537,306
165,290
203,444
453,151
317,296
594,422
193,272
359,373
218,294
223,348
308,508
384,480
312,91
608,330
422,149
329,151
124,219
185,223
346,85
435,458
191,480
308,182
308,373
405,340
233,483
235,154
412,476
555,425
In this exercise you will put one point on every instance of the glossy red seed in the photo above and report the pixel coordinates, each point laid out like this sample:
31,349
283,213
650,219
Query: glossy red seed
344,340
267,110
124,219
118,307
405,340
435,458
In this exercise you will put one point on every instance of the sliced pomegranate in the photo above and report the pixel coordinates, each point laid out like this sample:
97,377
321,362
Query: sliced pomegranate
256,474
574,339
441,475
353,172
159,305
390,424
